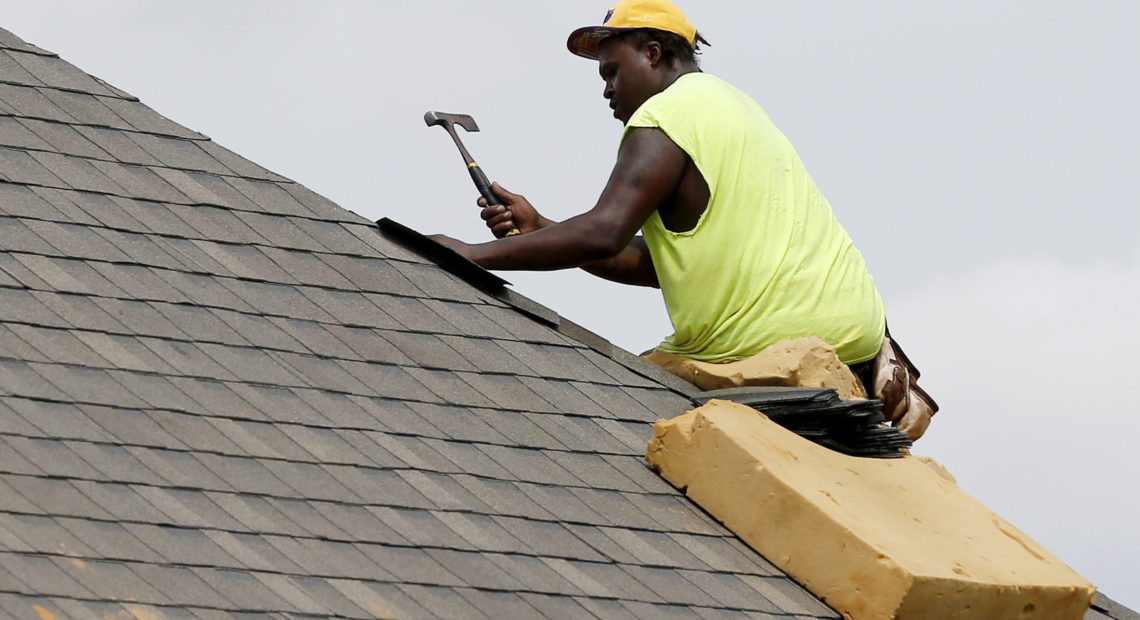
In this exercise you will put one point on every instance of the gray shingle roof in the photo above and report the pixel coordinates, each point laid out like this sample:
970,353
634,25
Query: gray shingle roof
222,394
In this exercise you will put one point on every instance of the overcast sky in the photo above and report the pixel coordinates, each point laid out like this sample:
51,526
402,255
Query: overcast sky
982,155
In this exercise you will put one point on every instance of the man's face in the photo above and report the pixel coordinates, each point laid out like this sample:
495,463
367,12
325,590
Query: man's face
630,75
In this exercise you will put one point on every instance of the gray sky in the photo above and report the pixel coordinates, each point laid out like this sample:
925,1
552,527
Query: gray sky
980,153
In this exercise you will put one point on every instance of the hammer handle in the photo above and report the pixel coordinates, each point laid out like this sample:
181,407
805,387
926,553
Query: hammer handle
483,184
484,187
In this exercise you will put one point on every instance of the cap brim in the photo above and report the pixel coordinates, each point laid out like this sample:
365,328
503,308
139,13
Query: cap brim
585,42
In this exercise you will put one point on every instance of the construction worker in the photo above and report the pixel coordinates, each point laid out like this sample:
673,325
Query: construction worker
743,246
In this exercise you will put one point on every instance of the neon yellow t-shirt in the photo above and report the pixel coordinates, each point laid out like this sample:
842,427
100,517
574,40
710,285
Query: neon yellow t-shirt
767,261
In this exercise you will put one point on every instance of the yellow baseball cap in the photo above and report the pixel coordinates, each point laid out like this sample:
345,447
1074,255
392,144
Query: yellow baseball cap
630,15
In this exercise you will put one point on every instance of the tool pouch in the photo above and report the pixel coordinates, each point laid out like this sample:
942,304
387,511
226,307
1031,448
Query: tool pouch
893,379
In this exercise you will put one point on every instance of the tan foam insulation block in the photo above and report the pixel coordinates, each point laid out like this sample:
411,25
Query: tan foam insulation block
803,362
874,538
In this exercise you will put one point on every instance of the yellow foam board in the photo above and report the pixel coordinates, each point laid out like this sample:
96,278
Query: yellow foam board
874,538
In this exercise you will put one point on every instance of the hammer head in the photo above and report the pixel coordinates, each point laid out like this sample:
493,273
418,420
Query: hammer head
439,118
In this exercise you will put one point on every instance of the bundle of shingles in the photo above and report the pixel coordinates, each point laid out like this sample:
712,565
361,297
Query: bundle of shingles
853,427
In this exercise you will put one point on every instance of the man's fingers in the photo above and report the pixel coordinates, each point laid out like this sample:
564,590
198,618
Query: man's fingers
501,223
503,218
499,219
501,230
490,213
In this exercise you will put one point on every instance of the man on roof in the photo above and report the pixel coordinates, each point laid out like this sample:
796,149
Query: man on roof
743,246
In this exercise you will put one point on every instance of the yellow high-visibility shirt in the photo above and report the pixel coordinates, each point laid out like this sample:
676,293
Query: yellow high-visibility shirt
767,261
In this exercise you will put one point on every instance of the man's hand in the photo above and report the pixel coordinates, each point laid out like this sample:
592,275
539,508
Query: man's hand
515,212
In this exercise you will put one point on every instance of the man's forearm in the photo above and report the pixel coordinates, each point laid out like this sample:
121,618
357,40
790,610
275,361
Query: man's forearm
577,241
632,266
581,241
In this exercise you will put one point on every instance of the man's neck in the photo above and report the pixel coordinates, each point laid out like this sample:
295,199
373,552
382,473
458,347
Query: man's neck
675,72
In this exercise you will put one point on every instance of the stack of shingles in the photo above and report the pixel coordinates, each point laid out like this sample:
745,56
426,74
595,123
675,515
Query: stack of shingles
222,394
853,427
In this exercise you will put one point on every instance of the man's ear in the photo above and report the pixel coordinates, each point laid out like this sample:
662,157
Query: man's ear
653,52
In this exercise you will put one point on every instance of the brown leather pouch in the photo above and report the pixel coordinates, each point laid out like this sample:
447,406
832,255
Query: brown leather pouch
893,379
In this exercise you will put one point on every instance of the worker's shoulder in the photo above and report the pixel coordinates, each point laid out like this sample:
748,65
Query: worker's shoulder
697,81
700,89
701,81
698,107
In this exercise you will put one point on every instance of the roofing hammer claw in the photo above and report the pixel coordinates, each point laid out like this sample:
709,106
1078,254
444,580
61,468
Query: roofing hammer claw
449,121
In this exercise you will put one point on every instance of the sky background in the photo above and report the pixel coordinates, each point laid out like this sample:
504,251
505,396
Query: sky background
981,154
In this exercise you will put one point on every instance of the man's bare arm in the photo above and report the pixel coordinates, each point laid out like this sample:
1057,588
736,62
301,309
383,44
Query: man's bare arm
633,265
648,170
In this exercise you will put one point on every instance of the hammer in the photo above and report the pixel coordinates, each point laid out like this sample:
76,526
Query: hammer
449,121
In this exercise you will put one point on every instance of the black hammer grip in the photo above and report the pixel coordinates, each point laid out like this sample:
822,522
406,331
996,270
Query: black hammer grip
482,184
484,187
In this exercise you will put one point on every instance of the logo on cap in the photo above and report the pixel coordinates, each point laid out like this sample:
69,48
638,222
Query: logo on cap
609,14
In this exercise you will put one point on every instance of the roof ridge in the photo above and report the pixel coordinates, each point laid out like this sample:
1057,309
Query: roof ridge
10,40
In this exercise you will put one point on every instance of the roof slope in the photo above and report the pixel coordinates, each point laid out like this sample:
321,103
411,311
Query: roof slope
222,393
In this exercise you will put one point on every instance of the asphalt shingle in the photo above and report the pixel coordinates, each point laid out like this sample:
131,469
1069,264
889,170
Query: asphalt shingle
442,602
60,497
40,574
181,586
233,162
12,71
257,514
505,498
554,606
39,534
50,419
21,167
465,323
22,201
63,138
112,141
500,604
408,565
113,580
266,194
79,174
350,308
506,392
560,502
109,541
53,71
13,424
178,153
178,468
52,457
448,387
243,590
15,134
436,488
28,101
13,501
